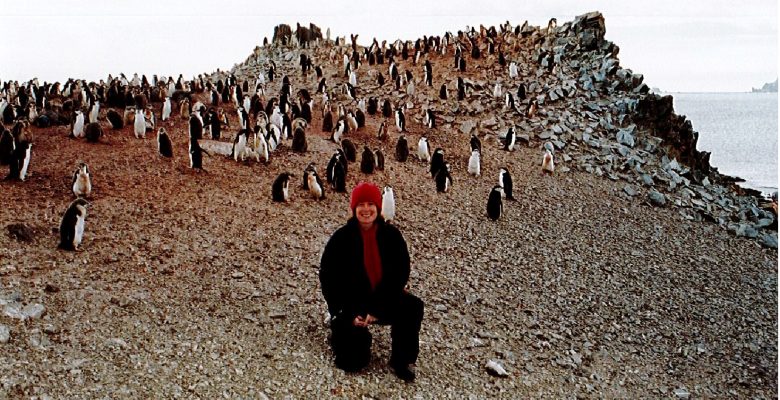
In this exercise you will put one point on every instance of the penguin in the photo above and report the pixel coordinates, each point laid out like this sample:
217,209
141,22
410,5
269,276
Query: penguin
315,187
280,188
139,126
387,110
81,185
437,161
272,137
260,146
509,101
72,225
115,119
184,108
341,127
164,145
214,124
196,155
428,73
78,125
531,110
400,119
196,127
379,156
402,149
443,92
322,86
335,158
505,182
495,206
166,109
360,118
513,70
380,79
351,121
373,106
422,150
93,132
309,168
367,161
509,141
521,92
20,161
382,133
443,179
429,119
474,166
327,122
388,204
240,145
475,143
350,152
497,90
149,118
548,164
353,78
7,146
299,141
461,89
94,111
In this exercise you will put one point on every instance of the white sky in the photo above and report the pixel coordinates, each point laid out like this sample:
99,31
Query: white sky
680,45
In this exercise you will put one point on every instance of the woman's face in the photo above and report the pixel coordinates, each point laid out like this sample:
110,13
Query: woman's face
366,214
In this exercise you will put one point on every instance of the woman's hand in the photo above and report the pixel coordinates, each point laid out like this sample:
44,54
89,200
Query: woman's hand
364,322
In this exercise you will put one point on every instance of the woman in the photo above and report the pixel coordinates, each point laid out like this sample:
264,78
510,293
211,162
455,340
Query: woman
363,272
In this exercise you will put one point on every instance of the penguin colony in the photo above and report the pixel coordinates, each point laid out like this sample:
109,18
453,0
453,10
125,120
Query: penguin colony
275,118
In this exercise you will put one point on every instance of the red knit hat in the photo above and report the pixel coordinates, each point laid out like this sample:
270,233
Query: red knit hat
366,192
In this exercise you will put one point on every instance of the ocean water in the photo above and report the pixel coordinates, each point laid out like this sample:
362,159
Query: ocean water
740,130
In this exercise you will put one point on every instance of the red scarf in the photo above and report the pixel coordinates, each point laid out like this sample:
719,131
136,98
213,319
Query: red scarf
371,260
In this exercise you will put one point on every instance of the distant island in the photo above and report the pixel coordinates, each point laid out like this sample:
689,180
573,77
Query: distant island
770,87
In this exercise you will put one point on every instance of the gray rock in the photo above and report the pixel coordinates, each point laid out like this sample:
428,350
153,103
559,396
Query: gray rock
656,198
523,138
34,311
496,369
647,180
625,136
747,230
467,126
769,240
630,190
682,393
764,222
5,334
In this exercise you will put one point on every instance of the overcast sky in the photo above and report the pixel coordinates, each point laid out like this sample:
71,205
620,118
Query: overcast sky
702,46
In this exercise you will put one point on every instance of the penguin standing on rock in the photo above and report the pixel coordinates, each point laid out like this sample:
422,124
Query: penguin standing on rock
388,204
474,166
400,119
139,126
422,150
116,120
280,189
505,182
72,225
82,184
437,161
350,151
475,143
443,179
402,149
78,125
164,145
93,132
380,159
196,155
495,206
509,141
548,164
367,161
166,109
316,189
382,133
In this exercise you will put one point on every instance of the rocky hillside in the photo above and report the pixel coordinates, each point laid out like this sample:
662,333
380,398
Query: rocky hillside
634,271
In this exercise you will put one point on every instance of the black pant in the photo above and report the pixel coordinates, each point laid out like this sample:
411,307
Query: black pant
352,344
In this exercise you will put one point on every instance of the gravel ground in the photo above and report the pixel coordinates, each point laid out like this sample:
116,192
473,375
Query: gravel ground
197,285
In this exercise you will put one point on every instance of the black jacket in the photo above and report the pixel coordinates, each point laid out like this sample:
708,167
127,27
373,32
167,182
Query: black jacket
343,277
